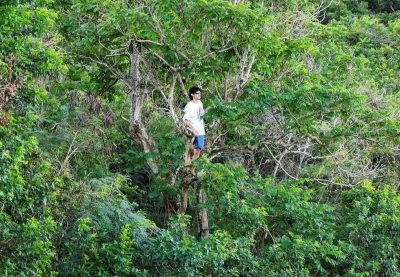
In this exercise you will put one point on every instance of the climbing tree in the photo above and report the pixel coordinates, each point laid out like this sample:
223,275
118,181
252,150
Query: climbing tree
155,49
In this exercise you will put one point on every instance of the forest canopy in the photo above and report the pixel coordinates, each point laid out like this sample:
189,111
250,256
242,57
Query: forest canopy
300,171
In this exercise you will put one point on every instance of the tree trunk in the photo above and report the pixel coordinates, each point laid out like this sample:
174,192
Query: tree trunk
137,100
138,130
184,194
202,213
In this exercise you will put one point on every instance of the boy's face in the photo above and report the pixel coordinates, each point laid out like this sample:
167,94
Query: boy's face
196,95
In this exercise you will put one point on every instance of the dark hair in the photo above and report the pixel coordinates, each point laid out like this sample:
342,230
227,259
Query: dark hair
193,90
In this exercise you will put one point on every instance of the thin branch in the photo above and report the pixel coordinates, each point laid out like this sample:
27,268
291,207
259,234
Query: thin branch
69,154
279,163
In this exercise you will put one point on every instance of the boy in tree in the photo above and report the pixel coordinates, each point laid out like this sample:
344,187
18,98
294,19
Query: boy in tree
193,119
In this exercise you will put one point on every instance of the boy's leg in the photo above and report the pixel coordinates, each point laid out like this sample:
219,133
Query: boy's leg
188,154
198,146
196,154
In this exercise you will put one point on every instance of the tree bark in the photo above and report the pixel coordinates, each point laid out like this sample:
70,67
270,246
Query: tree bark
202,213
137,99
184,193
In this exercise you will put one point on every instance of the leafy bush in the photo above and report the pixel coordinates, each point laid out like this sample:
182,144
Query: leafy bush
108,236
368,230
27,187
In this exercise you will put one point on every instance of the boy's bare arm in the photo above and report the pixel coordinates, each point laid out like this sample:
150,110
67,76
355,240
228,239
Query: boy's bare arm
187,123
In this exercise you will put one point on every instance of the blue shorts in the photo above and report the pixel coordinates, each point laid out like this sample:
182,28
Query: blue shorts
199,142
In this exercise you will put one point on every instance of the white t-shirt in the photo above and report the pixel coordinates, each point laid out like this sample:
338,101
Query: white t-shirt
193,112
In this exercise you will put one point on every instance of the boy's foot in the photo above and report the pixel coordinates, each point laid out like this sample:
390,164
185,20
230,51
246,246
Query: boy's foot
186,160
193,171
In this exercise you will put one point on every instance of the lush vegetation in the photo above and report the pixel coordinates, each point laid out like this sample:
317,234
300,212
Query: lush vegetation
301,171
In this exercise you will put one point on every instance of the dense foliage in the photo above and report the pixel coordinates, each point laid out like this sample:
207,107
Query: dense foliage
300,175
